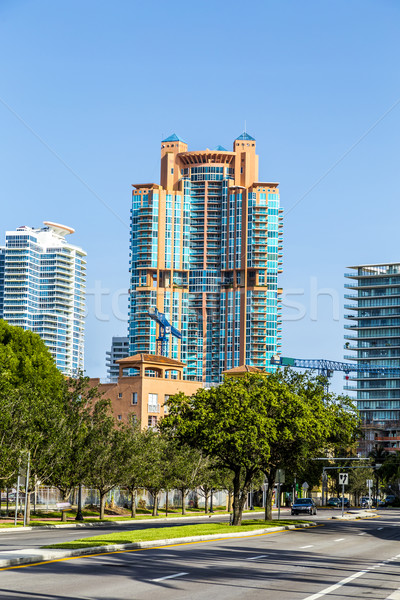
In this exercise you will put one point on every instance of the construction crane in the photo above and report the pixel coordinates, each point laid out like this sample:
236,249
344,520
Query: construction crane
327,367
164,330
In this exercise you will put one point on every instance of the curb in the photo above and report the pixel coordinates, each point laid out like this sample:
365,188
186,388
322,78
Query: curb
26,557
356,515
118,523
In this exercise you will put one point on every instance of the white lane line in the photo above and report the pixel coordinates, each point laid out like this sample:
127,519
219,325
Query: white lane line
394,596
334,587
379,528
363,533
339,540
255,557
302,547
170,576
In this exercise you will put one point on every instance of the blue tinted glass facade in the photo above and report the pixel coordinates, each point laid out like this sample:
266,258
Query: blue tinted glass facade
44,291
217,236
373,337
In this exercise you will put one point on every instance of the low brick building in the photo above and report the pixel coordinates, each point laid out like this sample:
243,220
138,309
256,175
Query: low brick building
144,384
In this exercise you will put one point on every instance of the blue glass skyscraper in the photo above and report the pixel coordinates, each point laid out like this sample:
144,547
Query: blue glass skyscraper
43,281
373,336
206,250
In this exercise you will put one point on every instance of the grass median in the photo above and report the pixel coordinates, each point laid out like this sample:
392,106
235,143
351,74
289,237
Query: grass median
181,531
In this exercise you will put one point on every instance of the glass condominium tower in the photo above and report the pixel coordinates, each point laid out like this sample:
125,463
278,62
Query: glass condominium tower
206,250
373,335
43,279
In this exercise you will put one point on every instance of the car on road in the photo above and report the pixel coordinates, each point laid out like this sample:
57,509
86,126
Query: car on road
388,501
304,505
333,502
365,502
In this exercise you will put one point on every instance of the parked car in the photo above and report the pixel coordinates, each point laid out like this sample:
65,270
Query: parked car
304,505
333,502
346,502
365,502
388,501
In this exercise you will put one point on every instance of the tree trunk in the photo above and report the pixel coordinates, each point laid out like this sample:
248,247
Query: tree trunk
155,504
133,506
229,501
166,503
268,496
206,500
102,504
183,492
237,504
28,508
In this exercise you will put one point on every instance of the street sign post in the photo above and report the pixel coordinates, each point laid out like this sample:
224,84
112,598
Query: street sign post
370,483
280,478
343,480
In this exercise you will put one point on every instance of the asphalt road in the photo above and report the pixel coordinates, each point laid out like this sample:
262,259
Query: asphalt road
11,540
338,560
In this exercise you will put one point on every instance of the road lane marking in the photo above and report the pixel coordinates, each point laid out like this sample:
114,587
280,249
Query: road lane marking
339,540
379,528
394,596
255,557
302,547
363,533
127,551
170,576
343,582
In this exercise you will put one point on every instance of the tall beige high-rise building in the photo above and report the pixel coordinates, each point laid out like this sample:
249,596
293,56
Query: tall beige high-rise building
206,250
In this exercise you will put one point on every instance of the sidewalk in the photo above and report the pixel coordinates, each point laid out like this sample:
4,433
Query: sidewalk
95,524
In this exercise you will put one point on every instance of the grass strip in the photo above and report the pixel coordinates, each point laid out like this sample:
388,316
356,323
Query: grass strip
153,534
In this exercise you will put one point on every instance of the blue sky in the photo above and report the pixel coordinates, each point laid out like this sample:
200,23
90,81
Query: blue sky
88,90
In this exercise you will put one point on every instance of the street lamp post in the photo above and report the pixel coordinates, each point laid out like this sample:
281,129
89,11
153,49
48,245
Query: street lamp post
377,467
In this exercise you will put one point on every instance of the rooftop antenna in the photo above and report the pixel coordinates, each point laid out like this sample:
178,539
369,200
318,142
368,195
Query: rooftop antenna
245,126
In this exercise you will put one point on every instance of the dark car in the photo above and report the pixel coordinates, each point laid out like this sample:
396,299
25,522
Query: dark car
346,502
388,501
304,505
333,502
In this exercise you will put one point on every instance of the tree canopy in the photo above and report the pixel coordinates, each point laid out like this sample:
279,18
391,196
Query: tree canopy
261,422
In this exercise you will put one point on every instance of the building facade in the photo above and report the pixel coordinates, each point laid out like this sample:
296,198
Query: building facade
373,337
206,250
143,386
119,349
44,290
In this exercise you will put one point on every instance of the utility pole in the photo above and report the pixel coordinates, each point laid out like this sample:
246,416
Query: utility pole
27,486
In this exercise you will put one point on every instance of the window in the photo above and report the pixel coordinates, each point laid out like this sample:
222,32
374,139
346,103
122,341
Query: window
120,395
134,397
153,398
152,421
166,398
119,417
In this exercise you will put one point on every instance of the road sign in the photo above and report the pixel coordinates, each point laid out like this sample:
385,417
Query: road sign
280,476
370,483
305,486
343,478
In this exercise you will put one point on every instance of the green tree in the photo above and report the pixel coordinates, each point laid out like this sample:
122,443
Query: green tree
63,464
156,465
228,423
188,466
259,423
30,397
309,423
134,467
105,452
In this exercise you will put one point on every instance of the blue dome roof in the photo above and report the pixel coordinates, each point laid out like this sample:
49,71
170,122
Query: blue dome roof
246,136
174,138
